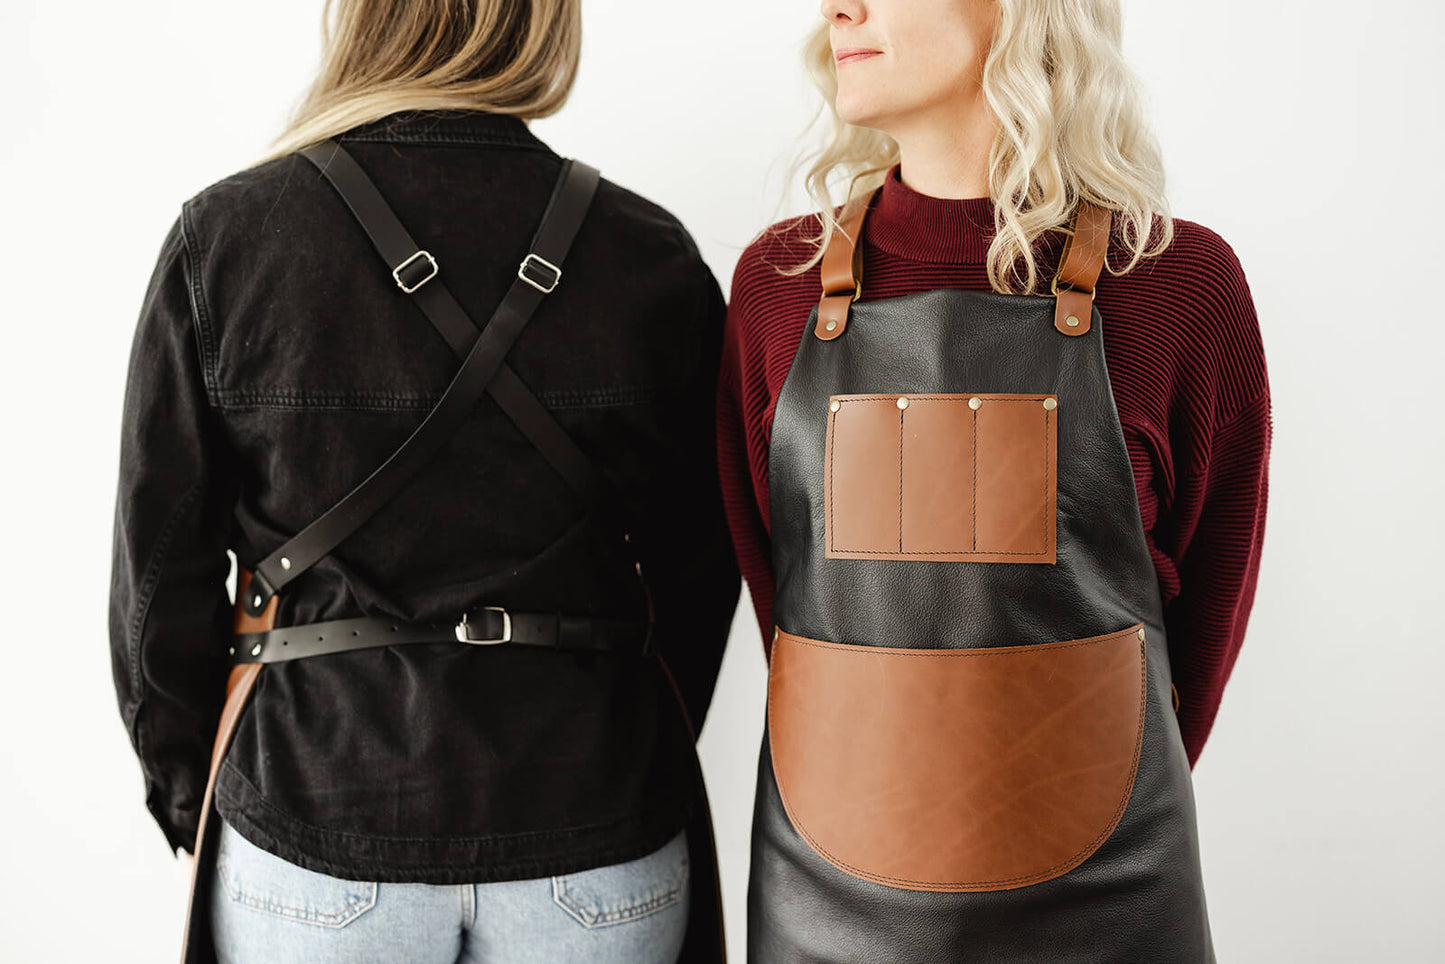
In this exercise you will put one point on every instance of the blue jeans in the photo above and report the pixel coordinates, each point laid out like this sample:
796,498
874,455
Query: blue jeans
267,909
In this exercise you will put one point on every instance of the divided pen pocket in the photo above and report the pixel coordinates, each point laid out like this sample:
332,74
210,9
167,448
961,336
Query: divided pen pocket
941,477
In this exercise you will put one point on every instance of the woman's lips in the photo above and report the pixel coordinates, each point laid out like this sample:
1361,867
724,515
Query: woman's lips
848,55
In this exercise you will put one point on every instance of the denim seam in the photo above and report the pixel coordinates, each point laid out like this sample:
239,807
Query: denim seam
471,140
557,400
200,316
152,580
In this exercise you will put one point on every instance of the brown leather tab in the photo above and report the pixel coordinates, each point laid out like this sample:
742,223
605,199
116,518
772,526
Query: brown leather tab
842,271
956,769
1080,267
239,684
941,477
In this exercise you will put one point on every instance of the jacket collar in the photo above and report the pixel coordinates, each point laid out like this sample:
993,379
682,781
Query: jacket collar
448,127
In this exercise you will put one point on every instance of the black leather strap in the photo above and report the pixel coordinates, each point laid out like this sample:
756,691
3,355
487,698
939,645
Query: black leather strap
480,627
395,245
568,206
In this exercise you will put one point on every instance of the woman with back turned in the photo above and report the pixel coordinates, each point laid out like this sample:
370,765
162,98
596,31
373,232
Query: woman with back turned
484,580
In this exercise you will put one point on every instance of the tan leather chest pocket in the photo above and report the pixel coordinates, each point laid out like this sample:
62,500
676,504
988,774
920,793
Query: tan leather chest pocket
956,770
941,477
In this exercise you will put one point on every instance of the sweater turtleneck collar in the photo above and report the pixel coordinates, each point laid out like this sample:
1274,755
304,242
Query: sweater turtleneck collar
907,224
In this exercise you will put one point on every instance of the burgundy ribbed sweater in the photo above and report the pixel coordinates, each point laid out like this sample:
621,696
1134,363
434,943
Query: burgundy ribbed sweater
1187,369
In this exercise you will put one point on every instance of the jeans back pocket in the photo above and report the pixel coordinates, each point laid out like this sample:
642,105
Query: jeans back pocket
262,881
625,891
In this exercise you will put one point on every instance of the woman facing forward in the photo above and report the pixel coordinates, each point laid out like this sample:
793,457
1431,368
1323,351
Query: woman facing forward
1002,582
459,743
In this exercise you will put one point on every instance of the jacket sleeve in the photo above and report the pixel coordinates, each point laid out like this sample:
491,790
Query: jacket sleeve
690,567
169,611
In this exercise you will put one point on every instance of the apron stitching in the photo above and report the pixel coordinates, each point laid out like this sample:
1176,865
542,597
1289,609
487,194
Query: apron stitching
1045,512
973,513
900,480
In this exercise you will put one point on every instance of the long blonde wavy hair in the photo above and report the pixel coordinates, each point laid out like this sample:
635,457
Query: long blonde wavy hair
1071,128
516,57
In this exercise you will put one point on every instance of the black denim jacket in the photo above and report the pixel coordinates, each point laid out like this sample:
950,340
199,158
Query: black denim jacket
275,364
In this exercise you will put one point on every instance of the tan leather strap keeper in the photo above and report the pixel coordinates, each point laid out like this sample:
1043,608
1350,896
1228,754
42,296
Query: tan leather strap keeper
842,270
1079,268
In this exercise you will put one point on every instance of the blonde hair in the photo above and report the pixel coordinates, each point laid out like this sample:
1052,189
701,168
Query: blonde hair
1071,128
516,57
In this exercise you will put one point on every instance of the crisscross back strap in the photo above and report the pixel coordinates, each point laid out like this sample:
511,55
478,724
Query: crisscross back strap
415,270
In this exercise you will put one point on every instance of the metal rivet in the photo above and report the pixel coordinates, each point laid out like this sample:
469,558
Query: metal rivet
834,405
1072,321
975,403
255,602
232,651
903,401
285,563
831,325
1050,404
256,650
1140,633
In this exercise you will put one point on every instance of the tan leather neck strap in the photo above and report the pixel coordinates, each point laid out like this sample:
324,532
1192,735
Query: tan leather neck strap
1080,266
842,270
1073,286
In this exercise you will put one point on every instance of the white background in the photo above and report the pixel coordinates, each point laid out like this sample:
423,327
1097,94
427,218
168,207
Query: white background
1306,133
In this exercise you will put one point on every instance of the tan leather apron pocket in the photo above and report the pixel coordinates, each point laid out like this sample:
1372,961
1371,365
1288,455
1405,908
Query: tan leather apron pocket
956,769
946,478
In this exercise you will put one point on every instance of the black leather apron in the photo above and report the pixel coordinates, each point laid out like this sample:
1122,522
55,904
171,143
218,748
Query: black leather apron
971,752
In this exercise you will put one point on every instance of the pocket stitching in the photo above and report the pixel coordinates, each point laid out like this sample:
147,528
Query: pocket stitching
564,898
356,904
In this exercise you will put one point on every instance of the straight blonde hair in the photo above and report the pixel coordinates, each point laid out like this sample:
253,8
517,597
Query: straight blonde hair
1071,129
516,57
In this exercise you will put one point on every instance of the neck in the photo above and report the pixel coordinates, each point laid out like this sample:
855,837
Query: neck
944,154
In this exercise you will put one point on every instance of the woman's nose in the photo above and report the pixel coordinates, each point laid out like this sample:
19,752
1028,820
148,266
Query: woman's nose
843,11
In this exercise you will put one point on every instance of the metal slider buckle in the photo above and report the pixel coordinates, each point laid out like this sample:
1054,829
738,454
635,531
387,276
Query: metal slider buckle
464,632
537,259
396,272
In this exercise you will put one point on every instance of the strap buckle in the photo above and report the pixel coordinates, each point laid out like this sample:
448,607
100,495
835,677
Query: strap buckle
396,272
538,260
464,629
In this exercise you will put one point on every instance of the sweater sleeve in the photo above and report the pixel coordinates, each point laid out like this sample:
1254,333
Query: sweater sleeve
742,446
1211,530
1218,566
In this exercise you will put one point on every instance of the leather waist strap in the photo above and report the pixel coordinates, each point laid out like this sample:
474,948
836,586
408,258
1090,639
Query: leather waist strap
479,627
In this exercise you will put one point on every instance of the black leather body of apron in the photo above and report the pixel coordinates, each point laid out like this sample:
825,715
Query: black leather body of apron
1028,734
